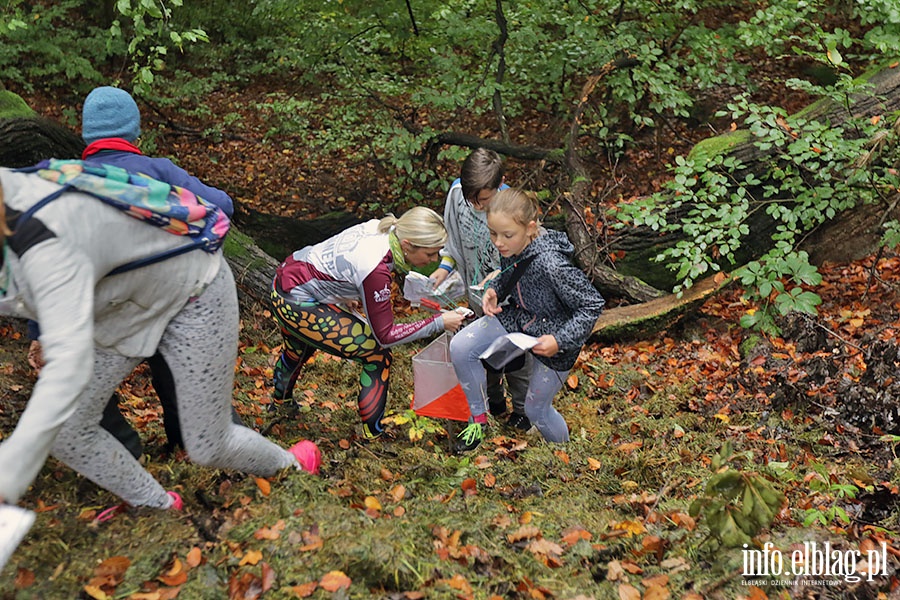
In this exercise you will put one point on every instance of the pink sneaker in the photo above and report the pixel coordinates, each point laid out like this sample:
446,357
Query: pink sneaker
177,502
308,455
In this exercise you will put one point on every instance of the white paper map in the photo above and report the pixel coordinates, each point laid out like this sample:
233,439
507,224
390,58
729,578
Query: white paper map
507,347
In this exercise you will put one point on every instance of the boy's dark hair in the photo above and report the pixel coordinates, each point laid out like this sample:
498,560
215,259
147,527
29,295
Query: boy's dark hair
482,170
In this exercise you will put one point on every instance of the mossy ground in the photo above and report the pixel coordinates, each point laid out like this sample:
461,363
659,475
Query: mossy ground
518,518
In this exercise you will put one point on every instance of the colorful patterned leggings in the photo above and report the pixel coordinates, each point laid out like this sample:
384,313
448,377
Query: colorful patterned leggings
309,326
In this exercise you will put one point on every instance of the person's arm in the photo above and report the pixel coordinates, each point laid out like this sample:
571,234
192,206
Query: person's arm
175,175
585,303
451,253
61,283
376,300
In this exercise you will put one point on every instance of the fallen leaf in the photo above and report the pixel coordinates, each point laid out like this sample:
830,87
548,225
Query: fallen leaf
251,558
305,590
614,571
95,592
544,546
572,381
632,527
398,493
525,532
334,581
116,566
469,487
628,592
372,503
489,480
25,578
268,577
757,594
655,592
458,582
562,456
594,464
264,486
194,557
574,535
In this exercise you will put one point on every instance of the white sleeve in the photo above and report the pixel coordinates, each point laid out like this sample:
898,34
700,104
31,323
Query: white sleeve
61,281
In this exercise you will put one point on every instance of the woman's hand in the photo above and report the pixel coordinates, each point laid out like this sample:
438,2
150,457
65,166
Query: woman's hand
438,277
546,346
489,303
452,320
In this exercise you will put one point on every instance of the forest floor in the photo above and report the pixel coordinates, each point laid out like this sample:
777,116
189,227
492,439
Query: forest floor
607,515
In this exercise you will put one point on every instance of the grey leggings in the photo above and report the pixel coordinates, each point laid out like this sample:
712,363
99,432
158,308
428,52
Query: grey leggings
469,343
200,347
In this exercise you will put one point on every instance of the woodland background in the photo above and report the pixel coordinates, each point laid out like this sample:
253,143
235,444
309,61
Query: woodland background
766,414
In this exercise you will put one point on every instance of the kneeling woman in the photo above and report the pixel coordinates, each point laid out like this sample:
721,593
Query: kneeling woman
317,290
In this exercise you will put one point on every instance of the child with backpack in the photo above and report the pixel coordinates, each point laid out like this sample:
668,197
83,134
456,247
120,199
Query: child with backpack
111,126
539,292
97,328
469,251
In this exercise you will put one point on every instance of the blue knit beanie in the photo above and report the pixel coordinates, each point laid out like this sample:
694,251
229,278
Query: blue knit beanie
110,113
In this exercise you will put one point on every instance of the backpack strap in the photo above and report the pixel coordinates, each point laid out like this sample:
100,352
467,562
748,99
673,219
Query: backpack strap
518,269
23,223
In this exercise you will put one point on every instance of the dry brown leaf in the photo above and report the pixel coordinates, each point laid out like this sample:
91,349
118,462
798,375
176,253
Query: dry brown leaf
179,578
145,596
525,532
482,462
304,590
311,541
194,557
399,511
264,486
268,577
661,580
372,503
386,475
629,447
489,480
526,517
572,381
398,493
114,566
631,567
757,594
24,578
345,445
614,571
573,535
544,546
631,527
594,464
96,593
469,486
334,581
562,456
250,558
628,592
458,582
655,592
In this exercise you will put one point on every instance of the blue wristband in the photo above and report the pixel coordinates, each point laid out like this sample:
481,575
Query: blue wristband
447,268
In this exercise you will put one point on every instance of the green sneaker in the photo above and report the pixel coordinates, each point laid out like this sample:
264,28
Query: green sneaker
469,438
